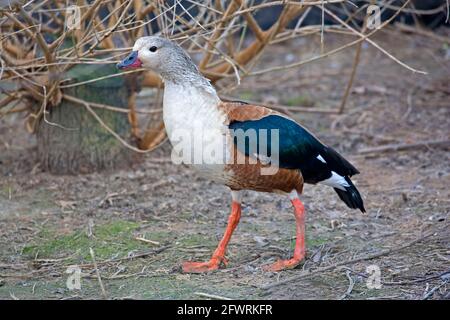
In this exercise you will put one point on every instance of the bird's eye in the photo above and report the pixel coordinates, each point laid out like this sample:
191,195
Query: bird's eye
153,49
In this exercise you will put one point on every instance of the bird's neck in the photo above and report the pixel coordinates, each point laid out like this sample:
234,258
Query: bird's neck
191,87
188,78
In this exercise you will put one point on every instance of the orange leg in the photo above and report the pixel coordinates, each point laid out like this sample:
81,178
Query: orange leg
300,250
218,255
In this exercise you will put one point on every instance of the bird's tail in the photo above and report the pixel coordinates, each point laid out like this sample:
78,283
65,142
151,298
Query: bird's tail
351,196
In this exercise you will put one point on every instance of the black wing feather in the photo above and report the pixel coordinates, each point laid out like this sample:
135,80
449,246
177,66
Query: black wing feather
298,148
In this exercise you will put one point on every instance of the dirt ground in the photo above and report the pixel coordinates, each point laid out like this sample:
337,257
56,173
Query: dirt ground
48,223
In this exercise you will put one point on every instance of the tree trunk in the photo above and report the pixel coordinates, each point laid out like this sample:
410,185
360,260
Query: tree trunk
78,143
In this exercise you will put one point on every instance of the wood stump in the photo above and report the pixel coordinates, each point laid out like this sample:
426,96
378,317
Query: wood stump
79,144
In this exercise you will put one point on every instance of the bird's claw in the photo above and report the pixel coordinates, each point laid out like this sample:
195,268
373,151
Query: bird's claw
200,267
281,265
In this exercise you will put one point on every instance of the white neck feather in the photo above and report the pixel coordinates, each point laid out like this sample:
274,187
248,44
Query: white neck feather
190,106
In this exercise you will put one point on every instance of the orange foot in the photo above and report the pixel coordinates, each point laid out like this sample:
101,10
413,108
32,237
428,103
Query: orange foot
282,265
200,267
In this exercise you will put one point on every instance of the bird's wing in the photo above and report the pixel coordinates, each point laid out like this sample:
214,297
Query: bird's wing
297,147
242,111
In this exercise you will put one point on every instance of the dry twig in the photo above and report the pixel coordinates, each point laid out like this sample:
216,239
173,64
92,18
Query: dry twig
99,278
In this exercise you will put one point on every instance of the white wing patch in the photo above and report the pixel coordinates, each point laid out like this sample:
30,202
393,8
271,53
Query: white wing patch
336,181
321,158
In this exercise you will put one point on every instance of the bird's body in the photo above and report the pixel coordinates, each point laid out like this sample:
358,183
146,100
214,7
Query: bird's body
243,146
206,120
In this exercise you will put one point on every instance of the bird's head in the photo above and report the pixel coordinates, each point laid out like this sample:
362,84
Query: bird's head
159,54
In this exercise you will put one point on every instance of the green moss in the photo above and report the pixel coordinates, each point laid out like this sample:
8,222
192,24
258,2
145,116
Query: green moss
116,228
176,287
196,240
316,241
113,239
6,189
159,236
311,242
300,100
